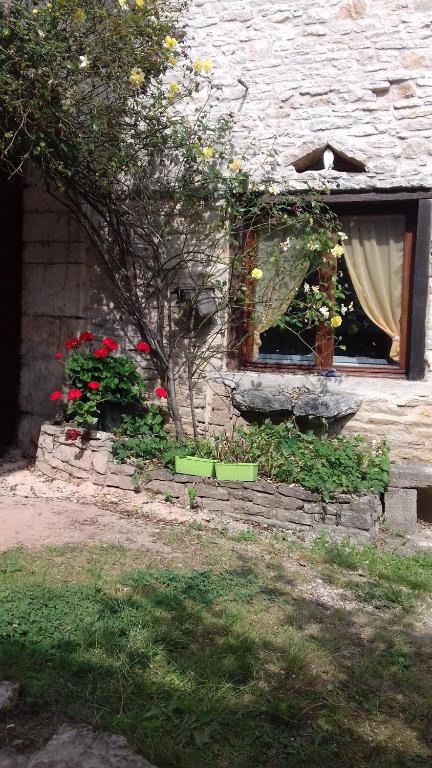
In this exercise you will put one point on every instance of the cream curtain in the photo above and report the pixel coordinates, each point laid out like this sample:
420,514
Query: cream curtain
282,277
374,253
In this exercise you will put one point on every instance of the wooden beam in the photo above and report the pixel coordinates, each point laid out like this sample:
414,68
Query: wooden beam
420,291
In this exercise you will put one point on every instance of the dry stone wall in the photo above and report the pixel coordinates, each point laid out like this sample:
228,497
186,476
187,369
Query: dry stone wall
283,506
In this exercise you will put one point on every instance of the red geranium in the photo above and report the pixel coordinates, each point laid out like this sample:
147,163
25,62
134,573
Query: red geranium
101,352
58,355
161,392
86,336
75,394
142,346
94,385
73,434
110,344
55,395
73,343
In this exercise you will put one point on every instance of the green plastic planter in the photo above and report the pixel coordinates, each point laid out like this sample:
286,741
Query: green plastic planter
193,465
239,472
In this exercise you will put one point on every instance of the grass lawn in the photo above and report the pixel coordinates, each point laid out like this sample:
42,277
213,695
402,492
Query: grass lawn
229,651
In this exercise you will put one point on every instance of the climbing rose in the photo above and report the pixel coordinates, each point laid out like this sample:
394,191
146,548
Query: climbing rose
94,385
110,344
86,336
75,394
73,343
73,434
102,352
161,392
142,346
55,395
58,355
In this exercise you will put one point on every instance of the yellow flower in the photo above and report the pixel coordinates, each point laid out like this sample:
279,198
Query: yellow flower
337,251
136,77
336,321
198,65
235,166
172,60
256,273
207,66
48,6
169,42
207,152
139,3
35,11
79,15
174,88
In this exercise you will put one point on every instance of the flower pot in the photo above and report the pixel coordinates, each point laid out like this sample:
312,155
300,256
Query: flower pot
111,414
193,465
239,472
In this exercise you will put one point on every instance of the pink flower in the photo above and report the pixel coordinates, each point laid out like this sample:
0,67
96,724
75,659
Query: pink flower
101,352
75,394
73,343
86,336
161,392
142,346
55,395
73,434
110,344
94,385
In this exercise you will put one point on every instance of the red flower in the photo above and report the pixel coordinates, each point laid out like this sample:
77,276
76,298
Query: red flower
142,346
73,343
75,394
86,336
102,352
94,385
58,355
55,395
161,392
73,434
110,344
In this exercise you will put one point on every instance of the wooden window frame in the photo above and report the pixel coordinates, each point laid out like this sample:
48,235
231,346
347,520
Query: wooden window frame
418,211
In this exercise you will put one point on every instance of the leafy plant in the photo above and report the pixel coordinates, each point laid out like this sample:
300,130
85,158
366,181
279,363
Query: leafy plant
118,377
151,422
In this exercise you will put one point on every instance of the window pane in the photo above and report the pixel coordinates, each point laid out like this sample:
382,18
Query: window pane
373,272
283,280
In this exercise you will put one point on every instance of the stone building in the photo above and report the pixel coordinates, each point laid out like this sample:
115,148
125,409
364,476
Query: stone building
342,87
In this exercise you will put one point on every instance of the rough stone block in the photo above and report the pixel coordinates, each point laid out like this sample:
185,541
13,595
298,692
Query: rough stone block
166,488
400,506
101,461
294,516
410,476
207,491
8,694
119,481
288,502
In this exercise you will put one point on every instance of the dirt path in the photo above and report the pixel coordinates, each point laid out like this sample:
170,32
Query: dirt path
36,511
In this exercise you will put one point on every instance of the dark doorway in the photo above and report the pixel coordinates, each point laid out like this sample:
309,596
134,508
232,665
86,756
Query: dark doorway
10,306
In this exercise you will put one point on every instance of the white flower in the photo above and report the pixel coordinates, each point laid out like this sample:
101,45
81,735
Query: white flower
284,246
83,62
273,189
306,288
342,236
343,309
325,311
315,288
41,34
351,307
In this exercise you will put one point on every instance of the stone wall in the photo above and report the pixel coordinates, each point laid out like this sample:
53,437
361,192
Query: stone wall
283,506
352,73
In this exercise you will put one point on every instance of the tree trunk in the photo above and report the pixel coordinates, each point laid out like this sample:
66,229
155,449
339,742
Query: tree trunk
172,402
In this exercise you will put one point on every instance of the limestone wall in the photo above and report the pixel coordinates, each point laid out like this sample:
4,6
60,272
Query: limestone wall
352,73
283,506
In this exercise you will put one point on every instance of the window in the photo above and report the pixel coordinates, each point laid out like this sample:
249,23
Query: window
378,274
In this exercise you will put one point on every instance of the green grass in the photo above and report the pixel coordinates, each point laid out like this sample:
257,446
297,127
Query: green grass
227,665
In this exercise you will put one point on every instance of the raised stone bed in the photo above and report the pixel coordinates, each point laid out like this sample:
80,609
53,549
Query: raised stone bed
263,502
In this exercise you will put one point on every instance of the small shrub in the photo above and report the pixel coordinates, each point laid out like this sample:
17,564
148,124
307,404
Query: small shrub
149,423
